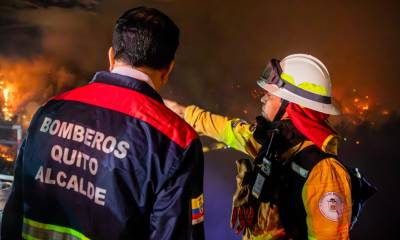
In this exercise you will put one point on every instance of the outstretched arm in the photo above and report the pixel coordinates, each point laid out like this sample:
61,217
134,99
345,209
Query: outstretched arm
234,132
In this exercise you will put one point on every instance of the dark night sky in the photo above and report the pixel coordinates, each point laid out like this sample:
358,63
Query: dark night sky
224,47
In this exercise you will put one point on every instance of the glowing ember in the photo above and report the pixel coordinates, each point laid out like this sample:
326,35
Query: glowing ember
361,108
385,112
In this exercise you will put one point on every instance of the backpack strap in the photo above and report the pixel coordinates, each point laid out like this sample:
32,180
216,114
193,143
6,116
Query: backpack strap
304,160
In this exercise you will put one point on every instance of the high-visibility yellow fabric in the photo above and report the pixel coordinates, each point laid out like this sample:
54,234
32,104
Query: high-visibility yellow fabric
327,177
235,133
307,86
33,230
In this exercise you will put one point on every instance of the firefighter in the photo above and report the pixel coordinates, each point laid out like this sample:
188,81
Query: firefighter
109,160
295,188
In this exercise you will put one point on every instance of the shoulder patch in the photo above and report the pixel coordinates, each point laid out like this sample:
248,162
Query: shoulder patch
331,205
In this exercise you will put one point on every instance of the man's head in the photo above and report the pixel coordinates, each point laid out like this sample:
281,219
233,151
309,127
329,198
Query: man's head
298,78
146,39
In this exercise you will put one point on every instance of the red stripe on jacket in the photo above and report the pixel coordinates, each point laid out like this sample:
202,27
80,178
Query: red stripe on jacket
134,104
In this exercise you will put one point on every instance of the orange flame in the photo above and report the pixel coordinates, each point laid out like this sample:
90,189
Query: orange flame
26,84
7,153
8,115
365,107
7,106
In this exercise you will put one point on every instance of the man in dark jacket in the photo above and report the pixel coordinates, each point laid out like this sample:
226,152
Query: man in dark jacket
108,160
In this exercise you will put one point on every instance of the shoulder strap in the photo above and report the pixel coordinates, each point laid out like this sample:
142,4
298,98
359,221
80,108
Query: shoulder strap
307,158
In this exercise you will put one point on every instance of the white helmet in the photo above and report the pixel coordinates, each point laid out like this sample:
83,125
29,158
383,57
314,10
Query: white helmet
301,79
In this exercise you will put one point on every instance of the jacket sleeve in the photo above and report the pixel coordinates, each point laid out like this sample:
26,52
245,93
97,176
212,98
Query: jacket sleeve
236,133
11,225
178,211
327,201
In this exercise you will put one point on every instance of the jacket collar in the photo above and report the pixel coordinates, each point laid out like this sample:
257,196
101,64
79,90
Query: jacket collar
126,82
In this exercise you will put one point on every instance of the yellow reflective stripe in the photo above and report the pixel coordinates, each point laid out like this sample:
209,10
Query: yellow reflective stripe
288,78
230,138
314,88
29,237
307,86
55,228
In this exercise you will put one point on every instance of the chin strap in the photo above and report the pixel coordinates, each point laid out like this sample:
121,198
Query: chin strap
281,110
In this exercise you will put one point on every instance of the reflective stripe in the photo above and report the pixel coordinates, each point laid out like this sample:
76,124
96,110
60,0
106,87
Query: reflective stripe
232,127
33,230
314,88
29,237
230,136
288,78
307,90
299,170
310,87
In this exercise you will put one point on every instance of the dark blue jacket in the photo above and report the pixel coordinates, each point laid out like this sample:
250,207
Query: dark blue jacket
107,161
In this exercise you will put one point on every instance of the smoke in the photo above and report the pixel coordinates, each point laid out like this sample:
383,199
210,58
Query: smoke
224,47
40,53
36,4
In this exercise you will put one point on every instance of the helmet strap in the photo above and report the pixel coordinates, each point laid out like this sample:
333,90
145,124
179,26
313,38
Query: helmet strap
282,110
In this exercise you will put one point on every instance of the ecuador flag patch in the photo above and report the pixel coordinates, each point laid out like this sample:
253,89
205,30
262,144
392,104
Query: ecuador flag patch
198,209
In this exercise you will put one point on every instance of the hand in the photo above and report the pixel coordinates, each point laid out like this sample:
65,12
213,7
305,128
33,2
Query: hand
242,218
244,205
175,107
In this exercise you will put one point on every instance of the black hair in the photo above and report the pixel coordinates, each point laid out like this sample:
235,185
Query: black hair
145,37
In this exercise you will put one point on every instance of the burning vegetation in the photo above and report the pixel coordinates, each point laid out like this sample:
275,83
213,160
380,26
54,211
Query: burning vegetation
24,86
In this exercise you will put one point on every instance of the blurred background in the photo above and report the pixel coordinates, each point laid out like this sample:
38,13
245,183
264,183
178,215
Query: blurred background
49,46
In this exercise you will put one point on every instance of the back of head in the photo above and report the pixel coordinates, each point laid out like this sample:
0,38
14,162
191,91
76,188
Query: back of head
145,37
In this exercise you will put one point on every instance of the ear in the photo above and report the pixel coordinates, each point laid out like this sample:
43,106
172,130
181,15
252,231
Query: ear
167,72
111,58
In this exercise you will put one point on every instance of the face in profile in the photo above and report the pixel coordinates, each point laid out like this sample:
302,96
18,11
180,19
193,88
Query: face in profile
270,106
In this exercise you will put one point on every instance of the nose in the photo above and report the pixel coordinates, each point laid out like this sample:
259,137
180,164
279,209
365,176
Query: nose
264,98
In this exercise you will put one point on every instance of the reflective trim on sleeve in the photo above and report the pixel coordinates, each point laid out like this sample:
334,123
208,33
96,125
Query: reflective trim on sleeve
299,170
33,230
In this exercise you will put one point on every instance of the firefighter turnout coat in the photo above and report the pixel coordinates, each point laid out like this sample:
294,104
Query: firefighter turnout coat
325,195
107,160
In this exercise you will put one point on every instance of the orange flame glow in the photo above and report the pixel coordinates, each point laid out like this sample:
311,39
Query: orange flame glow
7,109
26,84
7,153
